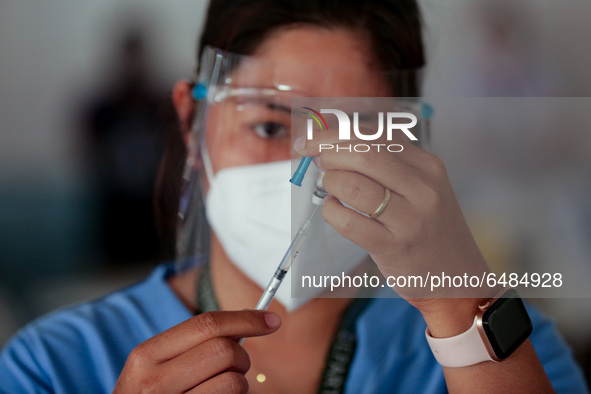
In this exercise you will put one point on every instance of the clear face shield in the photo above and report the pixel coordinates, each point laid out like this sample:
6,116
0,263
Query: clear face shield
240,156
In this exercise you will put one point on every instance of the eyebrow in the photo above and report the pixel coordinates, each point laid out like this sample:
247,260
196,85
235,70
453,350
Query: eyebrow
269,104
279,107
267,92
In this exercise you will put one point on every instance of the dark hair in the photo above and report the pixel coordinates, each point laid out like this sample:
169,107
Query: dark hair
167,191
392,28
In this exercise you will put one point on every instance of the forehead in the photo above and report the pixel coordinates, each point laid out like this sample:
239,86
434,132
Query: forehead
313,61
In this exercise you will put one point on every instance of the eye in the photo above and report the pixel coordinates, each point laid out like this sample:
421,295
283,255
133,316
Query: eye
270,130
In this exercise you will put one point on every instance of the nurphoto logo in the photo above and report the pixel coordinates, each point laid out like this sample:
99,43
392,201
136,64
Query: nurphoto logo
362,133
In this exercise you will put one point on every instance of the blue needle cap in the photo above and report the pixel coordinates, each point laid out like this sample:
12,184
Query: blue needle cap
298,175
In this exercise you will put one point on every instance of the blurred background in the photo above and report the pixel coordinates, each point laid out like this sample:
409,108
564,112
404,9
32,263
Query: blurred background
85,106
84,109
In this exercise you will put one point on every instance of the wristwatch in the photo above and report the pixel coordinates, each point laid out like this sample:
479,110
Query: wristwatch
501,325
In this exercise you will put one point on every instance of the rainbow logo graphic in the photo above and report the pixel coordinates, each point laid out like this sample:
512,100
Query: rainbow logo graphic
315,115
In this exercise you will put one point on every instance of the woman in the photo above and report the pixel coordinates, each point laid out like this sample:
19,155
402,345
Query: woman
147,338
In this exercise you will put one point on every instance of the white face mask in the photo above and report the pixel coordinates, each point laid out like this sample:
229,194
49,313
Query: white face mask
250,210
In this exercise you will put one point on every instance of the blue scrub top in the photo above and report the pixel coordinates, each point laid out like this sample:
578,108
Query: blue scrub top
83,348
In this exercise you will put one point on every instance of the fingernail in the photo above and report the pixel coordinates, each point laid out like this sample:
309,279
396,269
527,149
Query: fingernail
272,320
299,144
318,162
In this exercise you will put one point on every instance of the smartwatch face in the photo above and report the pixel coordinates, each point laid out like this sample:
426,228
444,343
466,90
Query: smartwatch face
506,324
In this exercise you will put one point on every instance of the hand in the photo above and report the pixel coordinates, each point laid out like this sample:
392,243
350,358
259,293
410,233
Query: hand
200,355
422,230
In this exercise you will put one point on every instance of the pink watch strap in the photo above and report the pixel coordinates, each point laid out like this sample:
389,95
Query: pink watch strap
461,350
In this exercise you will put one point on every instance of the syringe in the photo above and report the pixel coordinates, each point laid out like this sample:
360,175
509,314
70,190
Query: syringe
284,266
300,237
294,248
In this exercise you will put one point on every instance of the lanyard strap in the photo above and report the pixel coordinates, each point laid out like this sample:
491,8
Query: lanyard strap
206,301
342,349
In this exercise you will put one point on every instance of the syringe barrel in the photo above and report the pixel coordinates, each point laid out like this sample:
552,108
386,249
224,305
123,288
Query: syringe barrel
271,289
295,246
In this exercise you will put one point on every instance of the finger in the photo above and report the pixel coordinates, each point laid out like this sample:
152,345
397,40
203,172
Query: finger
198,329
311,148
362,193
365,232
404,149
203,362
228,382
385,169
314,146
328,141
